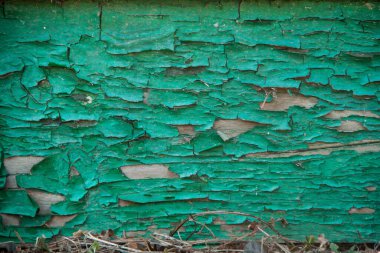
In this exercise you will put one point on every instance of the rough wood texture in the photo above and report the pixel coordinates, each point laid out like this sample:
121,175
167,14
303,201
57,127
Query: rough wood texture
228,129
59,221
147,171
282,101
130,115
21,164
45,200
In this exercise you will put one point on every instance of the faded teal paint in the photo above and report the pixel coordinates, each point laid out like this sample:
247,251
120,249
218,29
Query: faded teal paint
94,96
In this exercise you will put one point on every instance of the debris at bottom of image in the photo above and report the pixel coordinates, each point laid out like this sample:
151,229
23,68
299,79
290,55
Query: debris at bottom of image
260,237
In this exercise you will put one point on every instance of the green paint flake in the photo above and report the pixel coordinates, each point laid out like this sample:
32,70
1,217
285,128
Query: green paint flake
206,141
32,76
170,98
115,128
67,208
17,202
53,175
36,221
158,130
267,34
128,94
62,81
135,33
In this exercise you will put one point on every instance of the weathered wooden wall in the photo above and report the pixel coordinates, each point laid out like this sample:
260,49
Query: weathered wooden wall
132,115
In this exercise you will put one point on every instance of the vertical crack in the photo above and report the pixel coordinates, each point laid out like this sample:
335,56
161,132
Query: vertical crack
239,7
100,14
2,4
68,54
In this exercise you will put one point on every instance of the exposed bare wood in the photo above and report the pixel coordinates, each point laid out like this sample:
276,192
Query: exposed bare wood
10,219
21,164
364,210
186,129
11,182
360,147
145,171
124,202
347,113
146,96
74,171
60,220
283,100
371,188
350,126
219,221
228,129
321,145
45,200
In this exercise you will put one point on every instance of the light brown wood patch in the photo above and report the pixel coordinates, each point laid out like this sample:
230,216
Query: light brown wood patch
145,171
350,126
364,210
283,100
124,202
60,220
45,200
21,164
230,128
324,149
371,188
347,113
11,182
186,129
10,219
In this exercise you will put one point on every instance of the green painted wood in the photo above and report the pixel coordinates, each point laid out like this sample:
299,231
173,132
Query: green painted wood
270,108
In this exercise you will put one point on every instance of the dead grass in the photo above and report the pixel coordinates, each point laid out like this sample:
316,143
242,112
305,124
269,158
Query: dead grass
270,241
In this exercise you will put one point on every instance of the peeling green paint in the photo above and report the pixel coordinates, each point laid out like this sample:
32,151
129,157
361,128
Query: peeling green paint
95,86
17,202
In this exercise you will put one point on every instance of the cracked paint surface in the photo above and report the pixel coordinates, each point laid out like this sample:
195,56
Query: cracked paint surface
133,115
